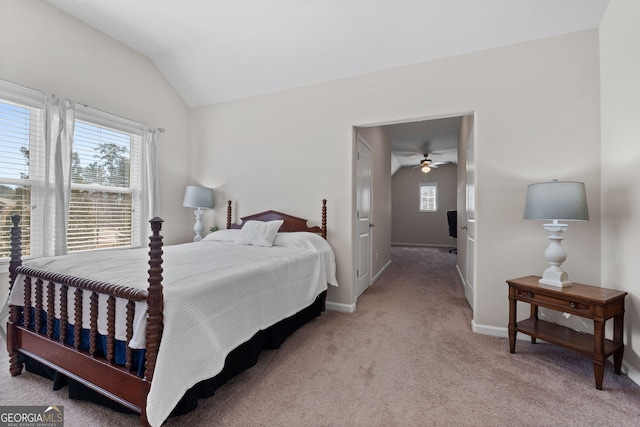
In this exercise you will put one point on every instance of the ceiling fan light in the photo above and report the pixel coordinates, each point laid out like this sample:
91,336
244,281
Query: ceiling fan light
425,168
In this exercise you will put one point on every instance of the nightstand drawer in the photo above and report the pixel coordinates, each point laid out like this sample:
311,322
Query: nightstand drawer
560,304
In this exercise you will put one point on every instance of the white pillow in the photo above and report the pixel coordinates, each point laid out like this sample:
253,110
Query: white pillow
258,233
223,235
297,238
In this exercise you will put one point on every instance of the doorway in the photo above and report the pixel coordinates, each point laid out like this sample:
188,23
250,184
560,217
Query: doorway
434,142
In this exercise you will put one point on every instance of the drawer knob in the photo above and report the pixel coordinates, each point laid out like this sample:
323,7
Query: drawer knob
572,304
529,294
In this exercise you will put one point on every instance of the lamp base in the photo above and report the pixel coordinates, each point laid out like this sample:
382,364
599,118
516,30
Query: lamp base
556,255
198,228
553,276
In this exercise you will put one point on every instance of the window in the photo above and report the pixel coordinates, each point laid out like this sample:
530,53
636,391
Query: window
428,197
105,203
21,120
101,205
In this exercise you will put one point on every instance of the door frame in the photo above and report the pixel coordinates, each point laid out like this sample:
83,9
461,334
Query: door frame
473,113
469,214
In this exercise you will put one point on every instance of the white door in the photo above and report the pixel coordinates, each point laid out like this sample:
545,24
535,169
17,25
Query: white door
364,223
469,285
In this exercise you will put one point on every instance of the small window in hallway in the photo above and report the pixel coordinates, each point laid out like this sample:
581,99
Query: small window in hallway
428,197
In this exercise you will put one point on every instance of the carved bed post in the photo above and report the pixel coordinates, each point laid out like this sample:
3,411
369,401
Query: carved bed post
228,214
15,367
16,248
324,219
155,302
155,306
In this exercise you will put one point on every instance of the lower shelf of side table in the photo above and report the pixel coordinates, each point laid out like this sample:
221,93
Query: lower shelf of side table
563,336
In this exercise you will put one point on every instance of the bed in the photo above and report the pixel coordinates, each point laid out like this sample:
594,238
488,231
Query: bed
209,308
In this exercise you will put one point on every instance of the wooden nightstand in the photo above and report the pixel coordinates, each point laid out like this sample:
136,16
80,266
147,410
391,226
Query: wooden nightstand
591,302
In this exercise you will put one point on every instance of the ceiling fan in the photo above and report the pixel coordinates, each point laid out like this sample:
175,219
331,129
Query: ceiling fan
427,164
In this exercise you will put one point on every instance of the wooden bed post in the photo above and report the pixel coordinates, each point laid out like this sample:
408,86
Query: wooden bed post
228,214
155,306
155,303
324,219
15,367
16,249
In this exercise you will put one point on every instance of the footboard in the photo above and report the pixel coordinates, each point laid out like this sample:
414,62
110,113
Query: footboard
32,331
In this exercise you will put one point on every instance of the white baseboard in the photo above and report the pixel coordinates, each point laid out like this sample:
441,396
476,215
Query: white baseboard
382,270
493,331
344,308
426,245
631,372
460,274
350,308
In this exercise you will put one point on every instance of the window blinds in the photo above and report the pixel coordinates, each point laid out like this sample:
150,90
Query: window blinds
21,123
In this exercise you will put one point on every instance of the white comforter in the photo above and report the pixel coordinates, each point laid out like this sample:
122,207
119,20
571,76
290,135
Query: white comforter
217,295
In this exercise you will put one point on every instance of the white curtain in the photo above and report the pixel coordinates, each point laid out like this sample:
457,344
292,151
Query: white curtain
148,183
59,125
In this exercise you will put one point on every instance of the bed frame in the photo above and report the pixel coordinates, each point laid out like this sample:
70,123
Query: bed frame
91,369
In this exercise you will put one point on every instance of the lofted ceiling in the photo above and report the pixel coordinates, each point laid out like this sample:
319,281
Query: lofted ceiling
214,51
411,141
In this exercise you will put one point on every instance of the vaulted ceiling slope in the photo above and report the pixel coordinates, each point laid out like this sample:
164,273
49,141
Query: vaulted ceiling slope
219,50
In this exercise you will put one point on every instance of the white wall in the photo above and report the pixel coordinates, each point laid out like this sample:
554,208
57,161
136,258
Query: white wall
620,71
47,50
536,115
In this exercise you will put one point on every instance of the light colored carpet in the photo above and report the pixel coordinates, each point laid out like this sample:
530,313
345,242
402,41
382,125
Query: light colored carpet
406,357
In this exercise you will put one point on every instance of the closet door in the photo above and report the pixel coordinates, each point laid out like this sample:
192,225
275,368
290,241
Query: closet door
364,224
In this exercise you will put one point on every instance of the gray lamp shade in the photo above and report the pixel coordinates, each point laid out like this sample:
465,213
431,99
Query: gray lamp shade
198,197
565,201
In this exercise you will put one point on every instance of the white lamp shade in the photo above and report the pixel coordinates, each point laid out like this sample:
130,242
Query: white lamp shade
198,197
565,201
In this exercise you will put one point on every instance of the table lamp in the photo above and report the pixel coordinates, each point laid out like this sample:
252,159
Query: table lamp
556,201
199,198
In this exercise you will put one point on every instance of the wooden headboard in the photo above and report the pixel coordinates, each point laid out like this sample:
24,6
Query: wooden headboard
291,223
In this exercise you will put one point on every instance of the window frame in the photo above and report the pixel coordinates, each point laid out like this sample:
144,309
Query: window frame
34,101
96,118
433,186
